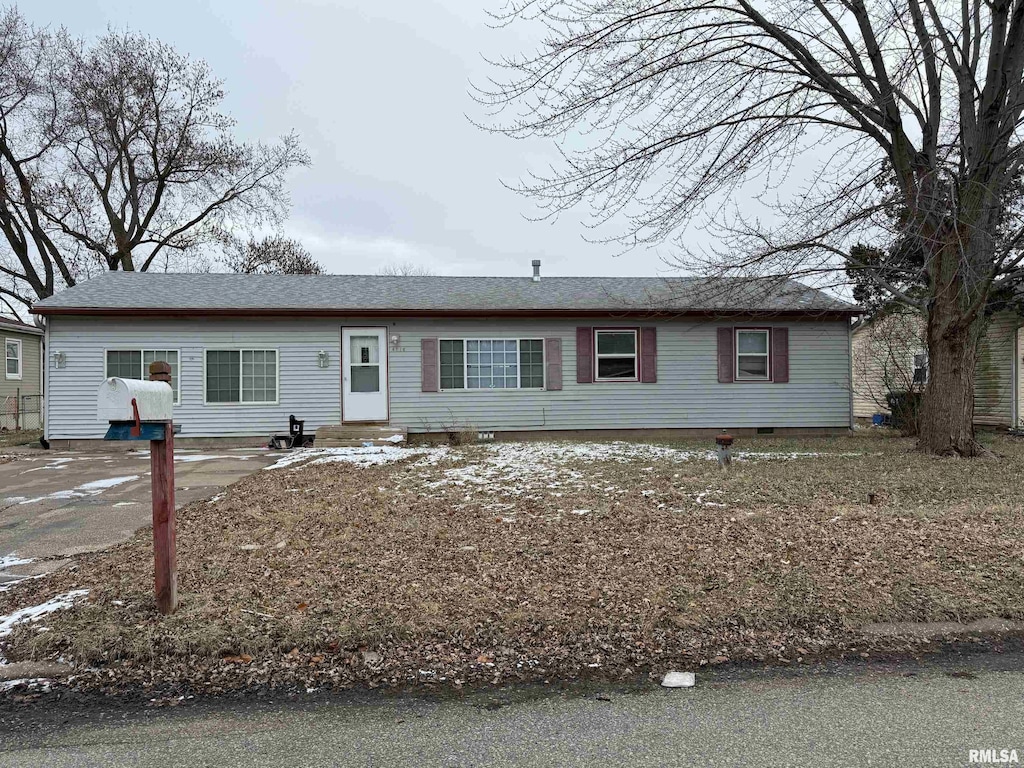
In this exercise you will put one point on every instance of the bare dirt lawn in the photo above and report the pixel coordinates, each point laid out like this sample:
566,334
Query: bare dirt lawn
546,560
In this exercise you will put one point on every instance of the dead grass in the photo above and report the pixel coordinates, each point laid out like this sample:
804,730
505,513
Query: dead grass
21,437
523,561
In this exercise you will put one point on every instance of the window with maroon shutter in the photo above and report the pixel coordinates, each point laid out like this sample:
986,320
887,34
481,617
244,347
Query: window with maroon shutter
649,355
726,361
553,363
584,355
428,364
780,355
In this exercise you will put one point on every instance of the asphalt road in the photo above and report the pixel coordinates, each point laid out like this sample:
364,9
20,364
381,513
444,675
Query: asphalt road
902,716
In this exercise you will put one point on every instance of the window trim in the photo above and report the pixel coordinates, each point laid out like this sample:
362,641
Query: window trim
142,353
519,364
770,373
913,368
636,354
240,350
19,376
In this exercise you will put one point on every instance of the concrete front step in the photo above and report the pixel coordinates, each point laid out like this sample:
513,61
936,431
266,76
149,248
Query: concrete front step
356,435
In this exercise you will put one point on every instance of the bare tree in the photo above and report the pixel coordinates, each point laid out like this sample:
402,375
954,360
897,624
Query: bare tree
404,269
116,155
32,266
909,112
274,255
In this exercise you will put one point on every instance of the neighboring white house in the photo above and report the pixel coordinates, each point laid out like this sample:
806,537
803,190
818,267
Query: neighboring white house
429,354
891,354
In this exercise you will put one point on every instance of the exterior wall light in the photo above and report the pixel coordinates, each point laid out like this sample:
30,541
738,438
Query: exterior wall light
322,360
60,360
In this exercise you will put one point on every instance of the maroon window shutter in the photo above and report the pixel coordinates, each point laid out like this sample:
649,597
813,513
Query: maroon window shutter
584,355
780,355
726,359
649,355
553,364
428,364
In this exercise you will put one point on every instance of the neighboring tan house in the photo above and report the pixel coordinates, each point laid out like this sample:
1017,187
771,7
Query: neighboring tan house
436,354
891,354
21,391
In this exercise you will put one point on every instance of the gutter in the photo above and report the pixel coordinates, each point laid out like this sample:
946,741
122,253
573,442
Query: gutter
323,312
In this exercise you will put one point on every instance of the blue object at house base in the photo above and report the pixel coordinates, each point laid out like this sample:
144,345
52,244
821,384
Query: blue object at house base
878,419
122,430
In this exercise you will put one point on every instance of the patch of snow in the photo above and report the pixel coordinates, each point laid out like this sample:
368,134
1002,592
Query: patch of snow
127,503
200,457
58,463
364,456
393,439
32,683
11,560
36,612
92,488
102,485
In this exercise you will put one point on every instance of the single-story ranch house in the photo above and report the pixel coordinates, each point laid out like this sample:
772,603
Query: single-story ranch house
436,354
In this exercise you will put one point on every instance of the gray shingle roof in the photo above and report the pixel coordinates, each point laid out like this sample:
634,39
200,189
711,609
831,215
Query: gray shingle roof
149,292
10,324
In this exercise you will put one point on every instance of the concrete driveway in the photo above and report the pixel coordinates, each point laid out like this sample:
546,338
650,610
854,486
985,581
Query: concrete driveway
57,504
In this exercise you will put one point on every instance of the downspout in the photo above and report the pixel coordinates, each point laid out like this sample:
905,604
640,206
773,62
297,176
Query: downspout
849,367
1015,372
44,361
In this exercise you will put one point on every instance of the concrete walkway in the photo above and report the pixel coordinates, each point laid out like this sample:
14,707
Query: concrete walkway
57,504
925,717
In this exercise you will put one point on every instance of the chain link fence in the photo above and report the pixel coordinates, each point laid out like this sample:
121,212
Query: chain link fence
21,412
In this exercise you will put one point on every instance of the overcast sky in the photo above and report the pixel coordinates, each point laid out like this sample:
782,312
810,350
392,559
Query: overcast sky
378,92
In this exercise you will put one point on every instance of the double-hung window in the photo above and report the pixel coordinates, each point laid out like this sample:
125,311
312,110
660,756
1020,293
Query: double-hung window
491,363
241,376
134,364
752,354
615,358
12,358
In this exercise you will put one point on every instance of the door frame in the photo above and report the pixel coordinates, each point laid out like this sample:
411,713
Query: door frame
341,372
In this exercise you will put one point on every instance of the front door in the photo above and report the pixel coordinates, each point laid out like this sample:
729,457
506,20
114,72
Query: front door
364,374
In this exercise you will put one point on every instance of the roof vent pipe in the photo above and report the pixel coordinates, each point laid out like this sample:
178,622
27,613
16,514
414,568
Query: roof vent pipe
536,270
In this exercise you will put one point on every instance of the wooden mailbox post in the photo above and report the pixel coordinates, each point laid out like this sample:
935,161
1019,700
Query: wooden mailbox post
139,410
161,462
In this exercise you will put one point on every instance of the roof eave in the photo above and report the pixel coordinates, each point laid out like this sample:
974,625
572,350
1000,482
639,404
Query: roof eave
26,329
348,312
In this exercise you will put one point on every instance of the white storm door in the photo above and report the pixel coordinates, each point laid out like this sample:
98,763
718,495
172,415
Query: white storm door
364,374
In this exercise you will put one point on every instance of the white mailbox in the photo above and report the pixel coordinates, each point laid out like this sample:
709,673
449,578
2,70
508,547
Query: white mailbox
154,400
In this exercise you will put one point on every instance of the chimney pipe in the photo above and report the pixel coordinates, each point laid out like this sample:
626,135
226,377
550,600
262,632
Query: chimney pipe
536,270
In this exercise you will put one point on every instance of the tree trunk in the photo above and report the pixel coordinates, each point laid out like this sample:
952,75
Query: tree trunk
947,412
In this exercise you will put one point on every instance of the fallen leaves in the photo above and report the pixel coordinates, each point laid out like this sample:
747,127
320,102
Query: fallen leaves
473,568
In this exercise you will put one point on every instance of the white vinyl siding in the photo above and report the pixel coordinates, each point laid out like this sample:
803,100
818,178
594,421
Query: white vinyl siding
686,394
